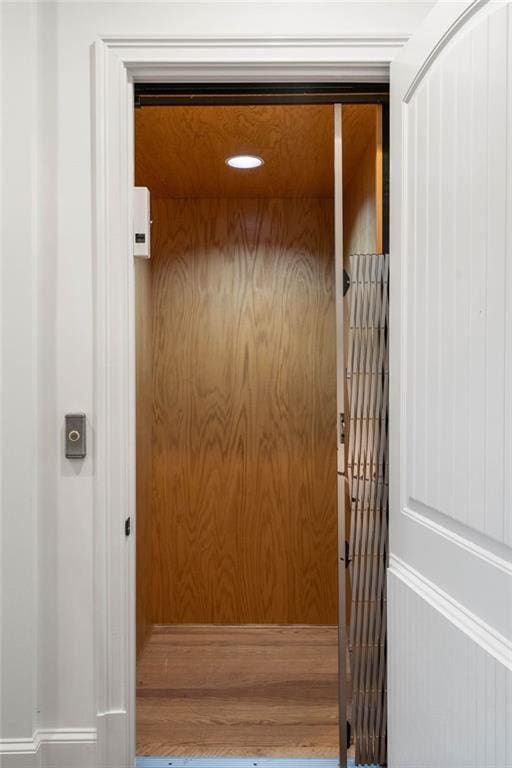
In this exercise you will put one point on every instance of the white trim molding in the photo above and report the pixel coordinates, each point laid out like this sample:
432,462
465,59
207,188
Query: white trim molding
336,42
19,746
47,748
239,58
459,22
117,62
64,736
29,746
494,643
492,552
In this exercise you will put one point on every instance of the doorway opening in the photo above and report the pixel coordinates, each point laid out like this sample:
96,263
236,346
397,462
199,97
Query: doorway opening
243,501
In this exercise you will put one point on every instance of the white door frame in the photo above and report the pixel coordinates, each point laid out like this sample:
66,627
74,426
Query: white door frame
117,62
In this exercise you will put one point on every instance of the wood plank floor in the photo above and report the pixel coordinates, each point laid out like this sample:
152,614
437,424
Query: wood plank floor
238,691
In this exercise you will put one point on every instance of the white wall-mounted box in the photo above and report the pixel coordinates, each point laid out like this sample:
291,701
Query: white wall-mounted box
141,222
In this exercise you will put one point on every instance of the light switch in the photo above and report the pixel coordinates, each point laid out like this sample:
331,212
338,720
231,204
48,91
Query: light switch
75,436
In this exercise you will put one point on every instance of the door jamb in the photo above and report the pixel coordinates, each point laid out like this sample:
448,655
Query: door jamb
118,62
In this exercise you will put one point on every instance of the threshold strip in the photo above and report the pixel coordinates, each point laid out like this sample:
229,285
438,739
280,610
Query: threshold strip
241,762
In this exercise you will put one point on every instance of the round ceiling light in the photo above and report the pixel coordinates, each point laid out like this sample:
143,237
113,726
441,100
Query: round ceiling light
244,161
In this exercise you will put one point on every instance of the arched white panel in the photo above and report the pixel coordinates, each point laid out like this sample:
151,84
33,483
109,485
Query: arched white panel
458,351
450,580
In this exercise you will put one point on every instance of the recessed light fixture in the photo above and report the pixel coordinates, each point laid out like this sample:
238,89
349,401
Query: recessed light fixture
244,161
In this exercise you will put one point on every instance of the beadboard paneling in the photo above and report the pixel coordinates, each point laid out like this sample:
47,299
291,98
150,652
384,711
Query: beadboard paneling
458,291
450,698
450,581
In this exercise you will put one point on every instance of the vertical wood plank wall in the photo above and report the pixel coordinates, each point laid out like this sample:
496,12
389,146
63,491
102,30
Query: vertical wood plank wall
244,412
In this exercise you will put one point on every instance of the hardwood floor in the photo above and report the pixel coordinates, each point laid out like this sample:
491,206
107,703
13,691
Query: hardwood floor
238,691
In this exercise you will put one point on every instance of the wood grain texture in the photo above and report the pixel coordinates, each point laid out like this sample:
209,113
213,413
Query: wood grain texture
359,126
181,151
379,183
238,691
144,448
361,224
244,401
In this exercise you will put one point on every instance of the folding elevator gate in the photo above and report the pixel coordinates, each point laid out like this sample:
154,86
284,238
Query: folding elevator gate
367,380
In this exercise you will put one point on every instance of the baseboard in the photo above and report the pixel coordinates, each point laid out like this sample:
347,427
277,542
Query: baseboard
57,748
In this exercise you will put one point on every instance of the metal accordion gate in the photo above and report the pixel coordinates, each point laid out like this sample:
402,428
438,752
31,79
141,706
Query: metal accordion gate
367,382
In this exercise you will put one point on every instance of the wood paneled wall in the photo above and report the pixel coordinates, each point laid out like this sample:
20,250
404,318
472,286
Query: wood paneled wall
244,412
144,451
362,183
236,400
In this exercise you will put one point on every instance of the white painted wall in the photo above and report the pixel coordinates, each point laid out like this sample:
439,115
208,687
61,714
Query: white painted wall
18,377
47,335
